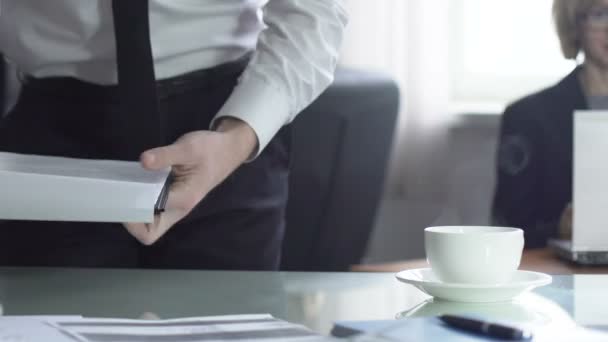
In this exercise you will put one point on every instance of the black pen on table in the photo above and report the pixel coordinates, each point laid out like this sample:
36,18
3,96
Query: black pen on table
489,329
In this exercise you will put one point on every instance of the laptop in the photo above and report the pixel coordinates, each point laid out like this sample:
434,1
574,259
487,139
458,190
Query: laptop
589,244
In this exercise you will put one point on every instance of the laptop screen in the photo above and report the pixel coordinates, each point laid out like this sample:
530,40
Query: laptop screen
590,181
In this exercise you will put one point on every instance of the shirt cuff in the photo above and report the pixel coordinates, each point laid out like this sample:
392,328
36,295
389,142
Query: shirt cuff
263,106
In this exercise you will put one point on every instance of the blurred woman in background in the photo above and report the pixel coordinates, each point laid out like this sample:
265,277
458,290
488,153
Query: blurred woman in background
534,164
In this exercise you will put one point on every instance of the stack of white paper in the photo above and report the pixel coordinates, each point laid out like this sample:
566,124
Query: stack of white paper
65,189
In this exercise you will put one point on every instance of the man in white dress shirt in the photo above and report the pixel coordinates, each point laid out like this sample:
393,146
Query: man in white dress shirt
207,87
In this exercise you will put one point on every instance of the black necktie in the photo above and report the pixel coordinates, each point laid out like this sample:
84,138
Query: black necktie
140,115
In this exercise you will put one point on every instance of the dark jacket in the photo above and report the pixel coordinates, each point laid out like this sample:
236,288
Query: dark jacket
534,160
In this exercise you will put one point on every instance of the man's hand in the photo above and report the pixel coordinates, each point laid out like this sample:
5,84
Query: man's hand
565,223
200,161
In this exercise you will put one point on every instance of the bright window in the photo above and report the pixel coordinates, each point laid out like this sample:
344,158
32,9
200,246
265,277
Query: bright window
502,49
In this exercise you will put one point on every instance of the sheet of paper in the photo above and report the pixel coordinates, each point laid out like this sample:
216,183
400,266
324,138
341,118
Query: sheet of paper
568,335
219,328
34,328
66,189
589,302
590,183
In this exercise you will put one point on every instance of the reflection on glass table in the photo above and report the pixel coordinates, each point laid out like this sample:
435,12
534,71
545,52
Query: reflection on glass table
531,310
316,300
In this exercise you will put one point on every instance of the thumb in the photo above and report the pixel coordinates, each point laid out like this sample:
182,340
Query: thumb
163,157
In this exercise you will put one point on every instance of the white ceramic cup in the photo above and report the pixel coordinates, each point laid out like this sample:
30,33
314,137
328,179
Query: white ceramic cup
473,255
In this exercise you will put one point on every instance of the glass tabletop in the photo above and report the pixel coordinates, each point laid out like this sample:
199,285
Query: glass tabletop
316,300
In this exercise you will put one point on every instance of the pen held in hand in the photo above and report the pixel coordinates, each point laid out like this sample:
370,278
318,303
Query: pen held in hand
489,329
161,203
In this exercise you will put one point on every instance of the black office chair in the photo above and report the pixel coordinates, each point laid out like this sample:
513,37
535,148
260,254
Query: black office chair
3,87
341,150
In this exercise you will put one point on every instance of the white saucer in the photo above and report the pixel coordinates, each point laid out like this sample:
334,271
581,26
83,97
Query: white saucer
427,282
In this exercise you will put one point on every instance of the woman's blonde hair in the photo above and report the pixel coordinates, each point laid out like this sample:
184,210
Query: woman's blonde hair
567,14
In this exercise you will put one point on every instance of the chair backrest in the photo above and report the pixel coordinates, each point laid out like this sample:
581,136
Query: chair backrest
341,148
3,86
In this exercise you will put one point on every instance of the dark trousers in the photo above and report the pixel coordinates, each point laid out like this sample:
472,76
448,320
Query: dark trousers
239,225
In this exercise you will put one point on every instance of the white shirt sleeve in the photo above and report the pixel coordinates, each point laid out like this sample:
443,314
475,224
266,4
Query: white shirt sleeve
294,62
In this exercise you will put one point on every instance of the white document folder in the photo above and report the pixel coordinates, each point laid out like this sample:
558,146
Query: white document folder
590,181
65,189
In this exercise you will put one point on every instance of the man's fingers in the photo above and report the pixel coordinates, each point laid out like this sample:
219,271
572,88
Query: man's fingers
166,156
144,233
151,316
184,196
149,233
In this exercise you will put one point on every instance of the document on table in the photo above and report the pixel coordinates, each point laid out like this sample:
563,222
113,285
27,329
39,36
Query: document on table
66,189
33,328
260,327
